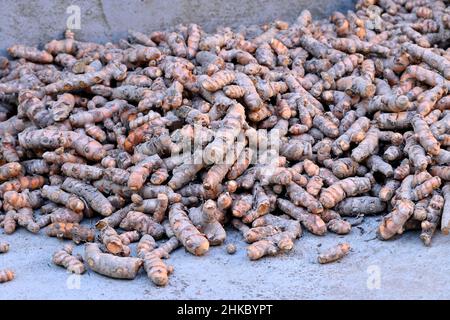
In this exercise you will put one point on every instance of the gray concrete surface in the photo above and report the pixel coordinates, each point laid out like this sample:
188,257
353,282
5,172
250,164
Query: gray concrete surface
406,269
38,21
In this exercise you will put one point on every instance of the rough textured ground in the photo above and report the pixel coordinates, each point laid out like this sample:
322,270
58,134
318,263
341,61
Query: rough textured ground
406,269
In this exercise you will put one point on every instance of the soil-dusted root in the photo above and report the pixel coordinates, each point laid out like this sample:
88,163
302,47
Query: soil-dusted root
314,185
426,188
394,221
255,234
300,197
159,176
110,265
37,166
388,190
339,226
403,170
115,218
393,153
342,189
261,204
218,80
193,40
242,203
204,219
67,46
129,237
231,248
10,170
58,196
54,139
342,167
25,199
216,173
420,209
445,221
6,275
242,163
291,227
156,206
224,201
64,258
139,221
310,168
9,222
146,244
312,222
377,164
334,253
367,146
431,58
25,219
96,200
185,231
426,138
327,124
113,70
225,136
61,109
65,215
30,53
151,191
434,212
261,248
60,157
82,171
8,148
4,247
113,243
22,183
183,174
117,175
72,231
156,269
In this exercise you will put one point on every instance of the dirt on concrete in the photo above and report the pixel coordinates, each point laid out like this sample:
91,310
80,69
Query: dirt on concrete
399,269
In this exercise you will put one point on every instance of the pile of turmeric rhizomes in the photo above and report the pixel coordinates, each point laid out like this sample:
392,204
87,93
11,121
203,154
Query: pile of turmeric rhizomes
169,136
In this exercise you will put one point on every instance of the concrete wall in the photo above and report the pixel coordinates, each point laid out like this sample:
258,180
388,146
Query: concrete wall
37,21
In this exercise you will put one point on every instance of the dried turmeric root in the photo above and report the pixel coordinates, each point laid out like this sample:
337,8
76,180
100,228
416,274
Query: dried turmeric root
58,196
9,222
4,247
93,197
10,170
6,275
30,53
64,258
113,242
72,231
139,221
394,221
434,212
129,237
334,253
110,265
185,231
204,219
156,269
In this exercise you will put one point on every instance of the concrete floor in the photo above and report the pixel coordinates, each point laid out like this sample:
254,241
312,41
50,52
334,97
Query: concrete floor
399,269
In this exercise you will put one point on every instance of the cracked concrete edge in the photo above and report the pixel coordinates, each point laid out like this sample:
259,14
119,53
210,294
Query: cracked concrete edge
35,22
